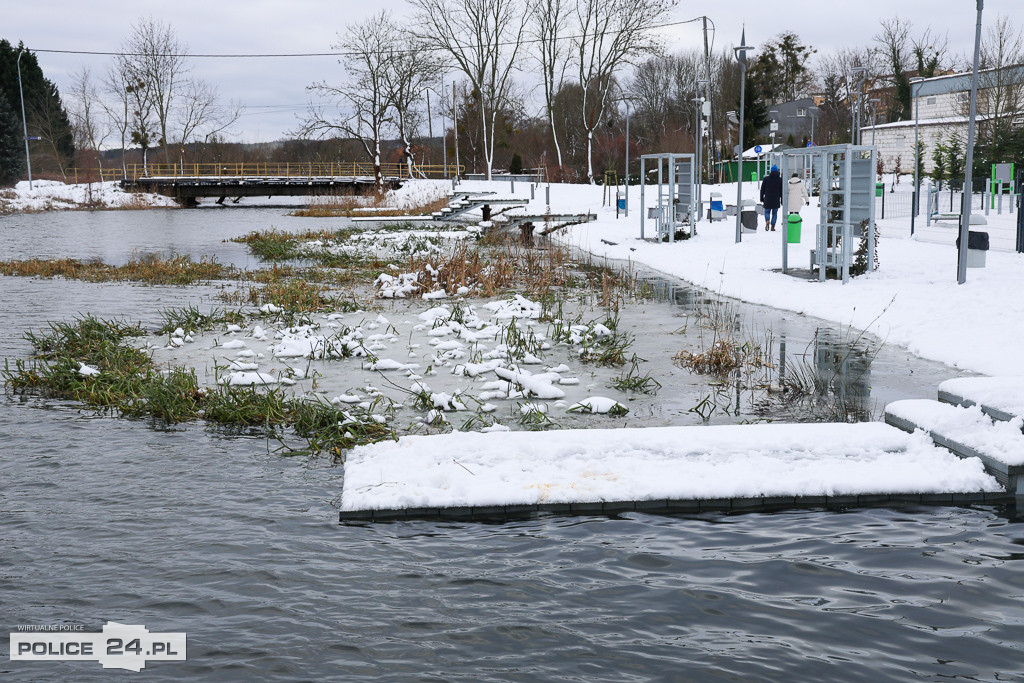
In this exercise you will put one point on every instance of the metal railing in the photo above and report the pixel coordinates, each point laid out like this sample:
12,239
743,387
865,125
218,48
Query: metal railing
135,172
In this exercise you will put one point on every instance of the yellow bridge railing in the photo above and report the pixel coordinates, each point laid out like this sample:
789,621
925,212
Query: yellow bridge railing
134,172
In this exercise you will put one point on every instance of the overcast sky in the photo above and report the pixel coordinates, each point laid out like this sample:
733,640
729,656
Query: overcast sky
273,89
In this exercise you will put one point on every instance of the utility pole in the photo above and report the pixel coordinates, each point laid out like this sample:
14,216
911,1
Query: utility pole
24,124
710,102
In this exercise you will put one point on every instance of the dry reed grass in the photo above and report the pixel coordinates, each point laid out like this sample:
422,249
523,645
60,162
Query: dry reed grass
150,268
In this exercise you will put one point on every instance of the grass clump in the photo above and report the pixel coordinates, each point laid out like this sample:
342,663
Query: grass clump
190,318
635,382
89,360
148,268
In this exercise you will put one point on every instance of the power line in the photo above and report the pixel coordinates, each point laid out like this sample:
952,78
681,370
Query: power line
290,55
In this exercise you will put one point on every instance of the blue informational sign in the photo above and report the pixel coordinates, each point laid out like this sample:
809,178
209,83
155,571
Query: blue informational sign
757,150
810,144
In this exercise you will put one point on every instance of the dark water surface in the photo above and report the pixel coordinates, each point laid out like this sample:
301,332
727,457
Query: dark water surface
189,530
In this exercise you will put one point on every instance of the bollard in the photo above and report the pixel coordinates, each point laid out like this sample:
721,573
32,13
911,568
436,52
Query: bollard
513,181
547,195
531,191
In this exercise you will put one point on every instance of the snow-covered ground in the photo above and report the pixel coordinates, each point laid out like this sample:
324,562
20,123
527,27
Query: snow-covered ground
912,300
52,195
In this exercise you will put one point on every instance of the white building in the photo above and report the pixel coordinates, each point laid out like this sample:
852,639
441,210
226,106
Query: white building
940,106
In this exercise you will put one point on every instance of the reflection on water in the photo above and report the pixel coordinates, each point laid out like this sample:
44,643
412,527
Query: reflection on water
825,377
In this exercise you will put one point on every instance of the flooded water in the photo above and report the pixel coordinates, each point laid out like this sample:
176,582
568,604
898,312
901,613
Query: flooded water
186,529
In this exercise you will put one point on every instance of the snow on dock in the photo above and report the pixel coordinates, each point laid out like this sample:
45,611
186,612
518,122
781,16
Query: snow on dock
581,470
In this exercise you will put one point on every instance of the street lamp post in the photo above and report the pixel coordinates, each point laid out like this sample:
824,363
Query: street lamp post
858,71
874,102
626,207
965,215
741,57
24,124
698,103
430,130
915,86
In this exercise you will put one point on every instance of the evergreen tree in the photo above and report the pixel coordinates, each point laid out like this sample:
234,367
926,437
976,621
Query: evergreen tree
12,156
755,111
47,117
781,69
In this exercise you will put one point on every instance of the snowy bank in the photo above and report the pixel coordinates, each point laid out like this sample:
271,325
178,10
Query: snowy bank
913,300
51,195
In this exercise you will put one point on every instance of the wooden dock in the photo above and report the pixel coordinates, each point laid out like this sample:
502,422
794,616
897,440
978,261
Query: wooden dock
501,513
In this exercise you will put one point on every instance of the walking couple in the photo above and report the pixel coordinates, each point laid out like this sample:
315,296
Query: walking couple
771,196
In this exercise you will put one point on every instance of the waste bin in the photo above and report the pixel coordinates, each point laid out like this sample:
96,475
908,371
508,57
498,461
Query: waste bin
977,248
879,189
793,225
748,219
717,210
620,201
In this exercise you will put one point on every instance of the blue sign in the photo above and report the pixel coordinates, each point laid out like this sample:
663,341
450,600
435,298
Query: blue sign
757,150
810,144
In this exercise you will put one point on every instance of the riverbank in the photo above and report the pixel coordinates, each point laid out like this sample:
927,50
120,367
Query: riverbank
912,300
52,195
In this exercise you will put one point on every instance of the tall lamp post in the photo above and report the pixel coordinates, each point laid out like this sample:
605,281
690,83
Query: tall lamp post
965,215
444,133
859,72
698,134
812,111
741,57
874,102
24,124
915,88
626,207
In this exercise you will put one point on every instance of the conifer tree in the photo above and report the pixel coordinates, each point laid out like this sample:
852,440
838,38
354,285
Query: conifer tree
12,158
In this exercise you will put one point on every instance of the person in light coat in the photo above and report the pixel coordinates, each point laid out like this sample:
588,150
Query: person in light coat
797,194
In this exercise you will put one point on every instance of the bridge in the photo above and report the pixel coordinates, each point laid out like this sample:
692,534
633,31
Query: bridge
188,182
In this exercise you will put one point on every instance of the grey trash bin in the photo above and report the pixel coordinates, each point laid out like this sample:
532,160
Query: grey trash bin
977,248
748,219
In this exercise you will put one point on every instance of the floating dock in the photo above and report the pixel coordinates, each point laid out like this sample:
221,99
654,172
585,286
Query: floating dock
695,469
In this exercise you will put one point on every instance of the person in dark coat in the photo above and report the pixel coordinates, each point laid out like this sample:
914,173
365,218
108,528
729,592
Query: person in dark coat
771,197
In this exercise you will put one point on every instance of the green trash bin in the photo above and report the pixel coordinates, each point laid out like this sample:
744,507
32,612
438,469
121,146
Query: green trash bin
879,189
793,225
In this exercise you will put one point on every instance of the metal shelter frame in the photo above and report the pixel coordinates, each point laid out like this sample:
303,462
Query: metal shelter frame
676,194
847,193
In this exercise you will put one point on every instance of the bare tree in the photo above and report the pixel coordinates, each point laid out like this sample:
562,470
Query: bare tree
838,88
1000,87
156,62
411,67
91,127
550,20
363,102
483,38
610,34
201,114
116,84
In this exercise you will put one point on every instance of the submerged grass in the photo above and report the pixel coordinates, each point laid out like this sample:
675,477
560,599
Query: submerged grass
89,360
151,268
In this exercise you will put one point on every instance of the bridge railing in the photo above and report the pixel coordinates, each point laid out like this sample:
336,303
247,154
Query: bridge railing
134,172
